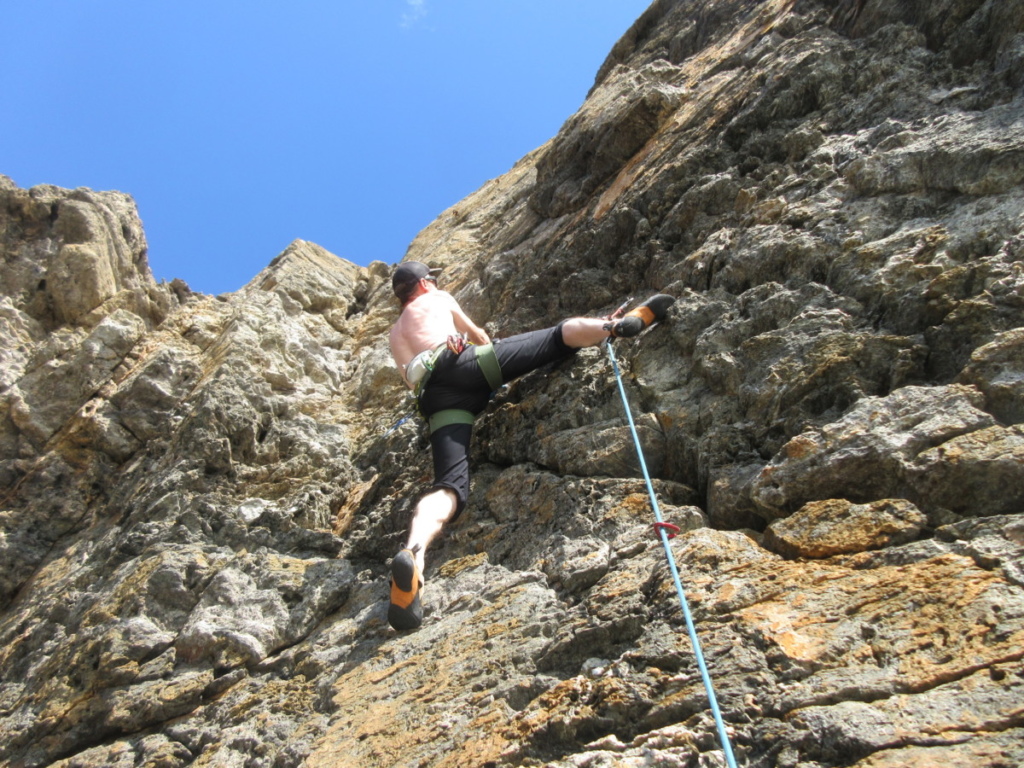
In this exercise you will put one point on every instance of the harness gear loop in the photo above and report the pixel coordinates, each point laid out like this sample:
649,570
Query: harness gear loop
457,343
420,367
661,526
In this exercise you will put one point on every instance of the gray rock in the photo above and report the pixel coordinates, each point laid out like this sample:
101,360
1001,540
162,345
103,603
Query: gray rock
200,494
996,369
981,473
870,453
834,527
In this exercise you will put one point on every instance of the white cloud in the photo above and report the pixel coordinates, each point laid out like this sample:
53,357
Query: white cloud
414,11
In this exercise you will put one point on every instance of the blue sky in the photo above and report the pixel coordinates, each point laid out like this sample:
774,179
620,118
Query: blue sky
241,126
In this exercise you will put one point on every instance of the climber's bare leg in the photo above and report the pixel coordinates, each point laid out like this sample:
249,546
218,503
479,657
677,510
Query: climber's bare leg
432,512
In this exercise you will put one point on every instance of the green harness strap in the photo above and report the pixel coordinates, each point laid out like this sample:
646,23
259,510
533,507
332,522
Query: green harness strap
448,417
488,362
491,369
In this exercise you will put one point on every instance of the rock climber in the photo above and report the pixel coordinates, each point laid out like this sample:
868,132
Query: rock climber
453,367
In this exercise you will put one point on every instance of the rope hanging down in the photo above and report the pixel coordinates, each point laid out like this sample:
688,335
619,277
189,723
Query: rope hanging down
665,533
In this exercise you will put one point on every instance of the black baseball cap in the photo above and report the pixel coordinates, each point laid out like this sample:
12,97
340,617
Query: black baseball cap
408,274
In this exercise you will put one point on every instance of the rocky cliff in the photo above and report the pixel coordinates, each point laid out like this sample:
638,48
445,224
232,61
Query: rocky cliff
200,494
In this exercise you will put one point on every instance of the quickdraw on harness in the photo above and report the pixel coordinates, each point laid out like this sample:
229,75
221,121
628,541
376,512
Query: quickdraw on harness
665,532
420,367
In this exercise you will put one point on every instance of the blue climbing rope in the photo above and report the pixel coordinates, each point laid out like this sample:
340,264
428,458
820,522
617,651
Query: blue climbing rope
664,533
398,423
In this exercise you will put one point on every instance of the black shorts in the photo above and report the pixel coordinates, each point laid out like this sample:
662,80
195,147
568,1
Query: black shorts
458,382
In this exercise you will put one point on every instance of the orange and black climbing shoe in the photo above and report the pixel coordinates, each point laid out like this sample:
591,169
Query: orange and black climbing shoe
405,611
636,320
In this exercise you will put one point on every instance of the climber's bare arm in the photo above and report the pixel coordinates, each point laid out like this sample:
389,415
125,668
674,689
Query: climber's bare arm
463,324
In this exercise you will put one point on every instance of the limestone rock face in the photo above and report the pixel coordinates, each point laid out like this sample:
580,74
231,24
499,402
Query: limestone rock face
200,494
837,526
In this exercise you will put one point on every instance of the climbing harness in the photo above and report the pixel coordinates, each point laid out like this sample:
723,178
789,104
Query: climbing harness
665,532
418,371
487,359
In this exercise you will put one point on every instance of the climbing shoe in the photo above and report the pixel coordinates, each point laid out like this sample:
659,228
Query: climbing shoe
405,611
636,320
